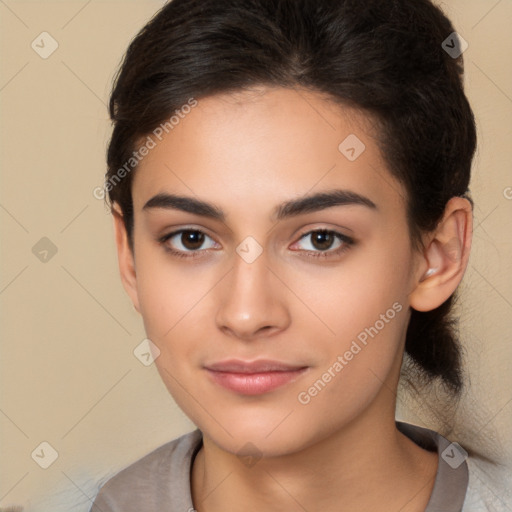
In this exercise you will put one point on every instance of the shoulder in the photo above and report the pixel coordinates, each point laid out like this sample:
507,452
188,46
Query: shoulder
463,483
489,487
158,479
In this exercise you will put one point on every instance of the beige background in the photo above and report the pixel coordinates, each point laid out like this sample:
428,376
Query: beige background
68,373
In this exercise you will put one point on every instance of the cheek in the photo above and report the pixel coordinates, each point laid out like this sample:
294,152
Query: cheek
172,301
167,293
171,310
363,308
350,297
355,363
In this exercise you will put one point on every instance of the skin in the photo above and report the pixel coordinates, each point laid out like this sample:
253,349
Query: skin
247,153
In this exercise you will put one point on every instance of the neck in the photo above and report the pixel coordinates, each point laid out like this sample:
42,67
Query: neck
367,465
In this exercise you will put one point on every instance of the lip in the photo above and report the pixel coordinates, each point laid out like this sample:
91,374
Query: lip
254,377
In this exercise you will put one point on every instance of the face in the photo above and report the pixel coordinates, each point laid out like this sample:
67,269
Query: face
276,325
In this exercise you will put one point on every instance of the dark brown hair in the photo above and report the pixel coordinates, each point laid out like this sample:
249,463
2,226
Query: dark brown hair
383,57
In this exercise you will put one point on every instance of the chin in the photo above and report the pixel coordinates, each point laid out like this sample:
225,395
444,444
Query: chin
266,437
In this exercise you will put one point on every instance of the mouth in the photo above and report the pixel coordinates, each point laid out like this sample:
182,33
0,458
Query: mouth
253,377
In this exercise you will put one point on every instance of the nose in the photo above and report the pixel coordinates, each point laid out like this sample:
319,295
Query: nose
252,300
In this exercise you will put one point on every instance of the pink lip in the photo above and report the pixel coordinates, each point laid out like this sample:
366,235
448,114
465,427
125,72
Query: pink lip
253,377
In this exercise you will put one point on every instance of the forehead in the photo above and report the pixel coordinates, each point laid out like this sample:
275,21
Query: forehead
258,147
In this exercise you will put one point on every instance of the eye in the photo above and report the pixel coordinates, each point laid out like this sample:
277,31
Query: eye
186,241
322,241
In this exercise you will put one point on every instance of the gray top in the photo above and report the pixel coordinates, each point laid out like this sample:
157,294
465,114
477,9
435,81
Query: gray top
160,481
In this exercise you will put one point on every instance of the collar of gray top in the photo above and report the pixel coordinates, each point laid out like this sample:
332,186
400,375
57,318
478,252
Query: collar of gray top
452,474
161,480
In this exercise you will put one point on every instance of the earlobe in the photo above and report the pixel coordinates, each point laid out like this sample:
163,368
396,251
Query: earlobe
445,258
125,258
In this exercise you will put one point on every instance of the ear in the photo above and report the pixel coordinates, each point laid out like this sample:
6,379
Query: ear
125,257
445,258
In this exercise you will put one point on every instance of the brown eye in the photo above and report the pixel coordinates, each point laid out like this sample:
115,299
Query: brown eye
322,243
186,242
322,240
192,240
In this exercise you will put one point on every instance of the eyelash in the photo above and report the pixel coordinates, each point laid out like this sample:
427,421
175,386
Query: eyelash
347,243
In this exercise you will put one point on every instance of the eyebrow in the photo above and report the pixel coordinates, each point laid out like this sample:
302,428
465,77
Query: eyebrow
292,208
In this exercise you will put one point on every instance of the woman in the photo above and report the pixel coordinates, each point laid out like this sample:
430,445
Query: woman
289,186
